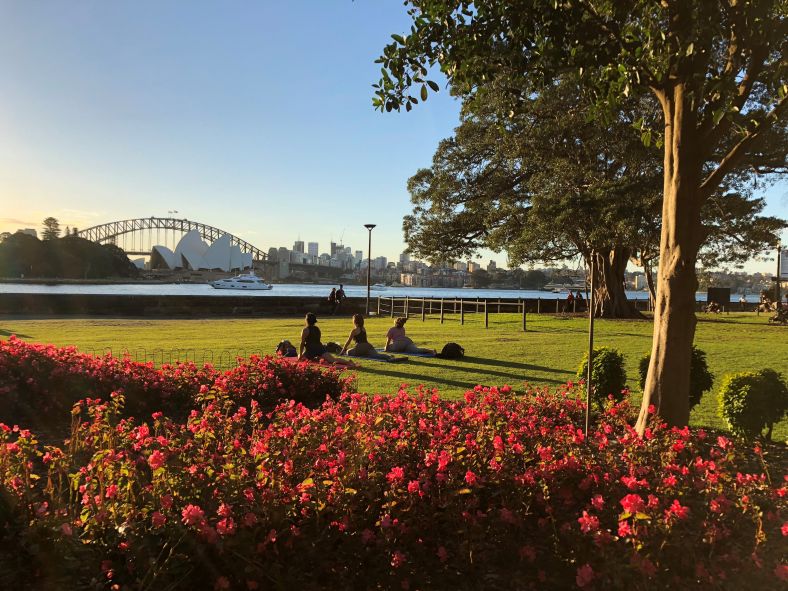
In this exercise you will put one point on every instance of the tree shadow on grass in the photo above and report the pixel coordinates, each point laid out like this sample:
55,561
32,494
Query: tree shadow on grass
8,333
511,364
512,375
417,378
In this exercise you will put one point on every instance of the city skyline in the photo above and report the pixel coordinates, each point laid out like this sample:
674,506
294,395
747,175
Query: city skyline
253,120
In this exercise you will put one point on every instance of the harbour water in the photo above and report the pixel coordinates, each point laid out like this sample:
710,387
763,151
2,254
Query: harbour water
300,290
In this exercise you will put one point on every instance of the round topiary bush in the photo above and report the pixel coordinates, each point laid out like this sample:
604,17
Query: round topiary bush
701,379
753,400
607,374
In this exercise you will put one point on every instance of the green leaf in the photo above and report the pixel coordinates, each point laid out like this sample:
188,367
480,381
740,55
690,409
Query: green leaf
399,39
690,48
433,85
424,93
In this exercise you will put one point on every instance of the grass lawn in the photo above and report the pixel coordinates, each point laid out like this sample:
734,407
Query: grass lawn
549,353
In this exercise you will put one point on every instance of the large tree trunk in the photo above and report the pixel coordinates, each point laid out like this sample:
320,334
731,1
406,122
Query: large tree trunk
610,298
667,381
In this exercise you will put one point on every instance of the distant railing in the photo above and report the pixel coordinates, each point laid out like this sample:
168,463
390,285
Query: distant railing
220,358
480,308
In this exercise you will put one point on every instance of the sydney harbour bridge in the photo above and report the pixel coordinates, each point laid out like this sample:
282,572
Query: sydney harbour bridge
138,236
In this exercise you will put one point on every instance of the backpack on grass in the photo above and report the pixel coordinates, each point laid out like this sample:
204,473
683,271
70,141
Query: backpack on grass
451,351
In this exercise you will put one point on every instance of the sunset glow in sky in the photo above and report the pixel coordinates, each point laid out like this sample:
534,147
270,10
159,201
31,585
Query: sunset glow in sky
255,117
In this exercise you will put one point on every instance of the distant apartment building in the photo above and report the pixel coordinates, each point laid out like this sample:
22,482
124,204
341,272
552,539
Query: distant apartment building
491,266
298,246
359,256
312,249
404,258
380,263
460,266
473,267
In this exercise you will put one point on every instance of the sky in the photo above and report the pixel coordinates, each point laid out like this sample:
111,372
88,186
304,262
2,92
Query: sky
254,117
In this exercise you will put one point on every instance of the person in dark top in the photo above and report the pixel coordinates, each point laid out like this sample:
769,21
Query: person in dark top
332,300
363,347
581,302
341,294
312,349
286,349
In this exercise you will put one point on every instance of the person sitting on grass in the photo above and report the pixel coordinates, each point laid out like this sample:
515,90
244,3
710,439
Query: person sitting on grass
363,347
397,342
312,349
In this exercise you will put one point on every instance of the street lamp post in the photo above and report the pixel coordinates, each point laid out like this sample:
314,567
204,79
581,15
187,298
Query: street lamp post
369,261
777,294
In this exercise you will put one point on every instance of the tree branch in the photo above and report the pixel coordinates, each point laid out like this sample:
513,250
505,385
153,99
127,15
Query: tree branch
738,151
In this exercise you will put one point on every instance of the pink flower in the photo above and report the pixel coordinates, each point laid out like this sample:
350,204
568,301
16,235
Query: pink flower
226,526
677,510
470,478
112,491
193,515
588,523
443,555
66,530
781,572
398,559
396,475
633,503
585,574
414,487
624,530
221,584
157,519
156,460
598,502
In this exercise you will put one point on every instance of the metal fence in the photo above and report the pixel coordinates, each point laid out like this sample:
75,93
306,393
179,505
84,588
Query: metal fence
480,309
219,358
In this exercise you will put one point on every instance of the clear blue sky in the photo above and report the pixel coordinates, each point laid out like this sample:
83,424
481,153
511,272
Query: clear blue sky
255,117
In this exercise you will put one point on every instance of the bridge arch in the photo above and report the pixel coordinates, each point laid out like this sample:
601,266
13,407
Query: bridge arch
110,232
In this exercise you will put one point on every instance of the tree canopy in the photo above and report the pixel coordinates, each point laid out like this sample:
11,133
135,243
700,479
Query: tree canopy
22,255
717,68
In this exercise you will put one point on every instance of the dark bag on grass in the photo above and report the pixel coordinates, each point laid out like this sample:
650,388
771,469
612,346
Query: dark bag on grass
333,347
451,351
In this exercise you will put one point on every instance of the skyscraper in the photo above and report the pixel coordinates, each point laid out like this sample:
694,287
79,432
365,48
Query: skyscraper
313,249
298,246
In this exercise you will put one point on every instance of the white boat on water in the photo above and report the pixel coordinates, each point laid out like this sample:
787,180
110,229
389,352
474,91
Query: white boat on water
248,281
378,286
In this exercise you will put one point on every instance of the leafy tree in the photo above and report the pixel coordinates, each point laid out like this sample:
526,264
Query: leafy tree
69,257
51,228
547,183
480,278
718,69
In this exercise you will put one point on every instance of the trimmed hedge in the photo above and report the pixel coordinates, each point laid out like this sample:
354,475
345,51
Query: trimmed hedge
750,402
607,374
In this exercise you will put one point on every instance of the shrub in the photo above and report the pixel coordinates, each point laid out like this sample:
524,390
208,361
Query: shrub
39,384
701,379
607,374
750,402
384,492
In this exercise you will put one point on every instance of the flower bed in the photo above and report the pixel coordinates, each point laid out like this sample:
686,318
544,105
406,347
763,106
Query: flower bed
39,384
408,491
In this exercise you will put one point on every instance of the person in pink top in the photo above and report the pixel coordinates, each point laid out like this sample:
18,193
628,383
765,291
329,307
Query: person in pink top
397,342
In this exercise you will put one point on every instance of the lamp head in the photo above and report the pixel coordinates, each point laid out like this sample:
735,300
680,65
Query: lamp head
369,226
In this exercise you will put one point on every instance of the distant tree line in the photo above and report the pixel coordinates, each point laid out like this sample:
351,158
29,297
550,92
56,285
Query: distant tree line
70,257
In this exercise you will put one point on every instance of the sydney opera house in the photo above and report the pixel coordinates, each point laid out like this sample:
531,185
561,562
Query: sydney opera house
193,253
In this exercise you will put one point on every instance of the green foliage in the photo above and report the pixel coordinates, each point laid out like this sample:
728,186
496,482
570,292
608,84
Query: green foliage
608,375
51,228
750,402
701,379
68,257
